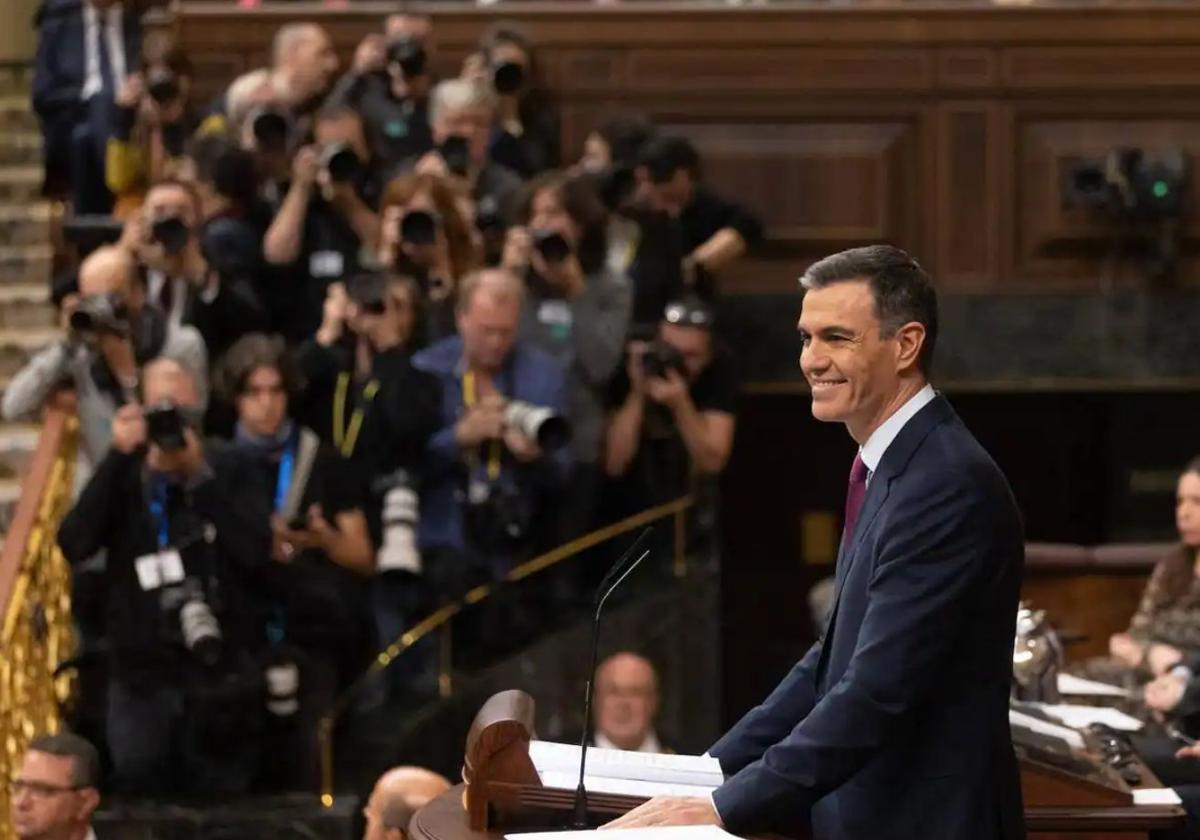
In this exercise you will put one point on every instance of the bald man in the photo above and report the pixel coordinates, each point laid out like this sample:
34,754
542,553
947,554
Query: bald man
185,540
398,795
100,356
304,65
626,704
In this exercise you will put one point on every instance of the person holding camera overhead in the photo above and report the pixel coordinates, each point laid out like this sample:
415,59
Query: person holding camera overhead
328,215
671,426
577,310
110,333
184,693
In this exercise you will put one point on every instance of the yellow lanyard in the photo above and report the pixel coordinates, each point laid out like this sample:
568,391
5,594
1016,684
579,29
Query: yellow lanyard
469,398
345,438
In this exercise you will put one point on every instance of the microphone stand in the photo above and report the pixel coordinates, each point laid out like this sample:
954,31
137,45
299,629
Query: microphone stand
614,578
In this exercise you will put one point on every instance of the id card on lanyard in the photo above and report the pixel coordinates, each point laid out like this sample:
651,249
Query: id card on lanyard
345,436
165,566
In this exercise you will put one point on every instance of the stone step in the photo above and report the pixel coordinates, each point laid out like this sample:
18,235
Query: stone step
16,79
17,442
16,113
17,346
25,264
20,148
26,224
23,306
20,184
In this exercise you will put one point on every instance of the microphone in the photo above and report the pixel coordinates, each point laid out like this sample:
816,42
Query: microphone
620,570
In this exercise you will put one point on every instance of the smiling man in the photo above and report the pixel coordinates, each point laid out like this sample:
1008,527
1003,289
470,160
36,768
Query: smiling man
895,723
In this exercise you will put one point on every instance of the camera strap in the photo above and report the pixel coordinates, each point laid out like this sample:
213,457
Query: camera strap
287,465
345,437
158,512
470,397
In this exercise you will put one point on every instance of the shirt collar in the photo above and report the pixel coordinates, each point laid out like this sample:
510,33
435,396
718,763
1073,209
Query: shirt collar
872,451
649,745
91,835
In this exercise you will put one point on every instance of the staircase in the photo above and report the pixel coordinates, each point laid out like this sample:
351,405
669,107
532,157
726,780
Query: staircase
27,319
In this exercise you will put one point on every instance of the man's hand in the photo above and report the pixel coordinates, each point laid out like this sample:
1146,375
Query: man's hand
334,313
185,462
128,429
518,246
1124,649
484,421
1192,751
1164,693
1162,658
130,94
634,367
323,533
522,448
306,166
370,56
669,810
671,390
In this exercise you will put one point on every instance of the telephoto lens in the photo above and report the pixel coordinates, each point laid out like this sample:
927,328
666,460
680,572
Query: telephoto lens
162,85
340,162
409,55
553,246
457,154
419,227
171,233
544,425
165,426
508,78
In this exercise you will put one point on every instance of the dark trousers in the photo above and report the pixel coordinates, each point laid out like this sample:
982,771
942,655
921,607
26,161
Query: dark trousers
89,141
291,744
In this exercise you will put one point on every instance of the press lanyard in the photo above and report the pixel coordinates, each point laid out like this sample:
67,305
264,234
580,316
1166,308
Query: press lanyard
158,511
469,398
286,464
345,438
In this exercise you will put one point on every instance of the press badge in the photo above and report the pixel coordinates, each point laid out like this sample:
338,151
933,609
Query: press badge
557,315
478,491
159,569
326,264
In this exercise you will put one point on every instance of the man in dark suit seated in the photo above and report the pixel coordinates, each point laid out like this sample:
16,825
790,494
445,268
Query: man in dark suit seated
895,723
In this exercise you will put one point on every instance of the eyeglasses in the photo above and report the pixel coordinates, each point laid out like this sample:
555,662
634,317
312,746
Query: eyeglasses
38,790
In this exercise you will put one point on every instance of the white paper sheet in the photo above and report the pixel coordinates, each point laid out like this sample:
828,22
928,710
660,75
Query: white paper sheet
1069,735
693,770
1156,796
1071,684
1078,717
673,832
563,780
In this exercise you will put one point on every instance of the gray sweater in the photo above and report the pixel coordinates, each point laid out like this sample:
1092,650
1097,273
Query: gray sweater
587,335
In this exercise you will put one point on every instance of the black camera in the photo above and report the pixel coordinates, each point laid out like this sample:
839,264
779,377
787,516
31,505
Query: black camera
508,78
199,630
409,55
368,292
419,227
340,161
1130,183
162,85
553,246
456,152
165,426
488,218
171,233
101,314
272,130
661,357
496,517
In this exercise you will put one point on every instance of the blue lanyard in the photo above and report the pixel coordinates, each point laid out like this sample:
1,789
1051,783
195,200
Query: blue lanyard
158,511
287,464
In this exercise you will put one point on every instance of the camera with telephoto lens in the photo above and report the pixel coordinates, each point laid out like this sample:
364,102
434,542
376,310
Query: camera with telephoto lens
419,227
401,515
456,152
162,85
272,130
508,78
661,357
409,55
184,606
553,246
340,161
544,425
172,233
368,291
165,426
105,313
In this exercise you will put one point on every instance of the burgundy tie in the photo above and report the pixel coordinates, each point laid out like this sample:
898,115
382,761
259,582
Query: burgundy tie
855,494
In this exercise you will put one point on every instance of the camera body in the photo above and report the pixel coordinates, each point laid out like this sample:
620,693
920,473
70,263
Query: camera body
162,85
661,357
1130,183
419,227
553,246
409,55
508,78
97,314
341,162
172,233
185,609
165,426
273,130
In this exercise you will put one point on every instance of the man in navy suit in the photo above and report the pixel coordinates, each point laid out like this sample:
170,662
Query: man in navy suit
895,723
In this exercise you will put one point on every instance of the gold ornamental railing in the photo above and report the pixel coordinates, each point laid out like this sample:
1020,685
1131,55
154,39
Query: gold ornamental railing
35,601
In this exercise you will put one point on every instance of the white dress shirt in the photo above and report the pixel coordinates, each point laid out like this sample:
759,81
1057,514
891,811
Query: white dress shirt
650,745
872,451
113,30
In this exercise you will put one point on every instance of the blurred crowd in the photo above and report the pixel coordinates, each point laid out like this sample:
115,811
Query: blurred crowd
344,346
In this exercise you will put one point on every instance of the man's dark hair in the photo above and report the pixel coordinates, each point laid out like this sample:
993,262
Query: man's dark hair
626,134
85,761
902,290
229,168
664,156
254,351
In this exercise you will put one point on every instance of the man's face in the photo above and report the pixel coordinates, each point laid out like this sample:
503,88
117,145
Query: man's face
626,702
674,194
169,382
693,343
474,123
852,369
346,129
548,213
262,406
45,803
313,65
488,327
596,154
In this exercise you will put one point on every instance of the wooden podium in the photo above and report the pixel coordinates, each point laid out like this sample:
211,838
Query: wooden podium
502,791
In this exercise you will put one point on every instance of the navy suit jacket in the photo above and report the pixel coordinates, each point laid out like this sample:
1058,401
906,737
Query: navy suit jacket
895,723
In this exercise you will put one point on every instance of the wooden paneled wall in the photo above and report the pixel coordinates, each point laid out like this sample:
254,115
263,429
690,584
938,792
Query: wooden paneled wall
945,129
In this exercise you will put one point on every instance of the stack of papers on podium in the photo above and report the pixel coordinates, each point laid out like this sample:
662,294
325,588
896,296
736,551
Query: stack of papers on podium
1071,684
620,771
1079,717
667,832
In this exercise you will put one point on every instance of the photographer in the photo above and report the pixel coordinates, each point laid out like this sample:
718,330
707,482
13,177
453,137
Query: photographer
184,543
672,422
327,217
425,237
110,333
576,310
318,623
501,448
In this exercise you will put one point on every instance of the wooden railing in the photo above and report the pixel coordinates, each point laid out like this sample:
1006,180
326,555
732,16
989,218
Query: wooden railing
36,634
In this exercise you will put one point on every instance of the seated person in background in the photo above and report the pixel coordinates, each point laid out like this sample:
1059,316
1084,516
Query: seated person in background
328,216
577,310
671,426
485,494
172,246
461,115
151,124
714,231
1166,626
396,798
110,334
56,790
526,137
425,237
626,705
185,544
318,625
389,84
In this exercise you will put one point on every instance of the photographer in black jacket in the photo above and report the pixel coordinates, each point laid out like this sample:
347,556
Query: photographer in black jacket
184,543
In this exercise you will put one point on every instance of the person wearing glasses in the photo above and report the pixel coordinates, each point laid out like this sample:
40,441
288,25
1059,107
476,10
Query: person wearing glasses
54,794
671,419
